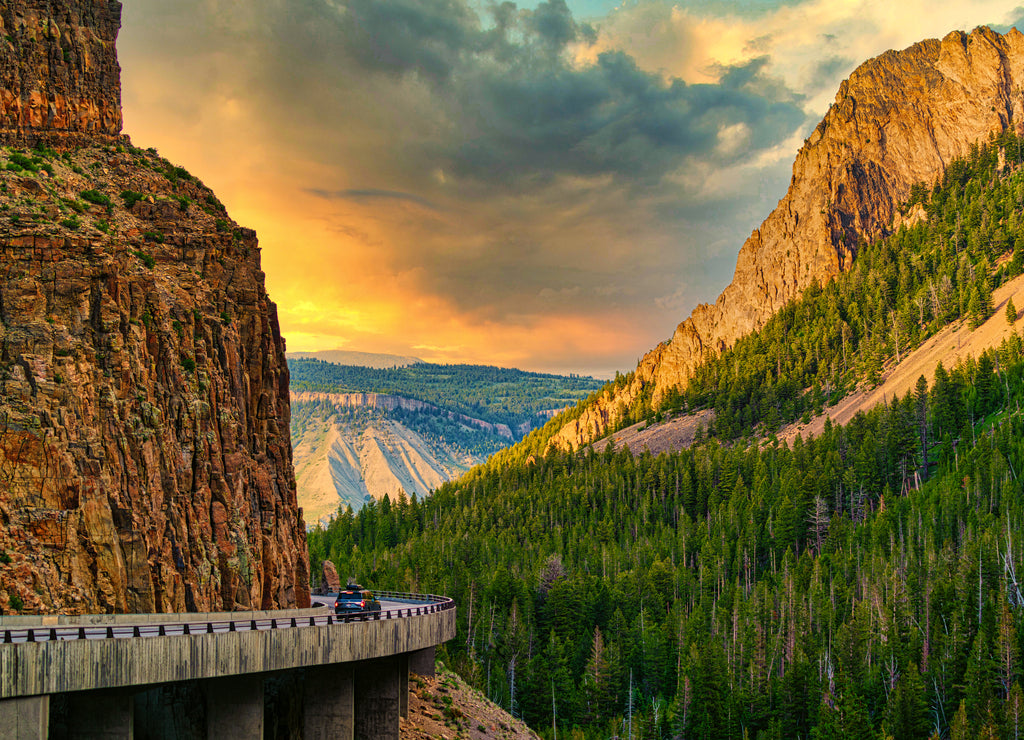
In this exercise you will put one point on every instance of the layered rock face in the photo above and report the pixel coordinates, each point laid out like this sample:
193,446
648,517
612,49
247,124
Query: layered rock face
145,458
899,119
59,77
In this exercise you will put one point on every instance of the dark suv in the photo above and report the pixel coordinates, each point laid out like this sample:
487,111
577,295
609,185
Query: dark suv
356,599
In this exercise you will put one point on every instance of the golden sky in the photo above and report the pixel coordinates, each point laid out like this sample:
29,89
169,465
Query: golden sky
547,186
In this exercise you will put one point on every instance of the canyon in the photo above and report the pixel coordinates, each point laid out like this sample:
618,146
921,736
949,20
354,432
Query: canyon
145,457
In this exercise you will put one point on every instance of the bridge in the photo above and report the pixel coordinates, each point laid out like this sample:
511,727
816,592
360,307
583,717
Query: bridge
296,673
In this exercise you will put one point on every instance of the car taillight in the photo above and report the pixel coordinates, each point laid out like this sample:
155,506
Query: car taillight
363,603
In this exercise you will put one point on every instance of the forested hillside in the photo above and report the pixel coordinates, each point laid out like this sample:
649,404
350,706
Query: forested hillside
861,583
493,394
359,433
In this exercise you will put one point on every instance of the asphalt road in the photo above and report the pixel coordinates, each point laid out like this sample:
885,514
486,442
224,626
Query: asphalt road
385,604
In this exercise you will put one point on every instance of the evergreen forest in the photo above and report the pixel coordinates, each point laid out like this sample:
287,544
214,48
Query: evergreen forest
492,394
858,584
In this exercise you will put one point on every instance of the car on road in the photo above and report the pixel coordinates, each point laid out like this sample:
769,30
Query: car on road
355,599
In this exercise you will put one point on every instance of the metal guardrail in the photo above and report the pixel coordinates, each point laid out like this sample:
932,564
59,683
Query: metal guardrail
122,631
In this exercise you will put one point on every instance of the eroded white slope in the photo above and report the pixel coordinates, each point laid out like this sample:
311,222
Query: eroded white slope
341,461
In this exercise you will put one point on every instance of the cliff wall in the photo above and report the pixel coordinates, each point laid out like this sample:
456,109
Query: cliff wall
59,77
899,119
145,458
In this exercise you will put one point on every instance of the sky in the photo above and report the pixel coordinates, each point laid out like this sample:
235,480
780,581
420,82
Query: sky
547,185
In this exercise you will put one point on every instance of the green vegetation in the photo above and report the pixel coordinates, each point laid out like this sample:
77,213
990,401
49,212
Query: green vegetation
492,394
862,583
147,259
96,197
130,198
746,589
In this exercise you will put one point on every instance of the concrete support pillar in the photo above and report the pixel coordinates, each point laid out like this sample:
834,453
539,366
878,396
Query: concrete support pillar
422,661
378,698
101,715
329,703
403,685
234,707
25,718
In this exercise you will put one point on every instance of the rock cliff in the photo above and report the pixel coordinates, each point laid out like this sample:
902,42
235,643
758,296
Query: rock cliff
899,119
59,77
145,459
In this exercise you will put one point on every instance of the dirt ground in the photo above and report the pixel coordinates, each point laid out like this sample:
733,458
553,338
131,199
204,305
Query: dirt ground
444,706
949,346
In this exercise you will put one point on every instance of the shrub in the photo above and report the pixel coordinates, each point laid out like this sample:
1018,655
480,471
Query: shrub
96,197
188,364
71,223
130,198
147,259
154,236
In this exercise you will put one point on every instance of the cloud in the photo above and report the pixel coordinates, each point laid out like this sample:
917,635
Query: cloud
506,184
370,196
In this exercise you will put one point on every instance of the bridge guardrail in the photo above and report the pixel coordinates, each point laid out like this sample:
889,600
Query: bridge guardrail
122,631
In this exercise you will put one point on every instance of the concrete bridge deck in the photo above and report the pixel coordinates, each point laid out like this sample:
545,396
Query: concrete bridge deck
115,676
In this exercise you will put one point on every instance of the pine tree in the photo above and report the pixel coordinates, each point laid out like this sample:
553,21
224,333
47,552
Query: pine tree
1011,312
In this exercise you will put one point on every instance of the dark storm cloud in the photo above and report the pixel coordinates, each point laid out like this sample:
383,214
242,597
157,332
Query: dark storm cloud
370,196
825,73
607,118
427,36
511,108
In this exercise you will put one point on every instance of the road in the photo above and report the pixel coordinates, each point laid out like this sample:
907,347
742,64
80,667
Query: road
385,604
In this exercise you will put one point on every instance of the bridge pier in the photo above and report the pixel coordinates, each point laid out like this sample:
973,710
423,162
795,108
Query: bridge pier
234,706
421,662
378,698
329,703
25,718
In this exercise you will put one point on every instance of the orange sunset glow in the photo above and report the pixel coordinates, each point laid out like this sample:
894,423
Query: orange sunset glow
551,186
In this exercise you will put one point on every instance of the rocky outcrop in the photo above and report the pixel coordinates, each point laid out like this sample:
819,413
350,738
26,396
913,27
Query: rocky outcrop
145,459
59,77
899,119
330,583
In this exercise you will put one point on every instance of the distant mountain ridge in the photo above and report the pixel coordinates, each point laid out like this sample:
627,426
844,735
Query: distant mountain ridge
360,359
899,119
360,433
